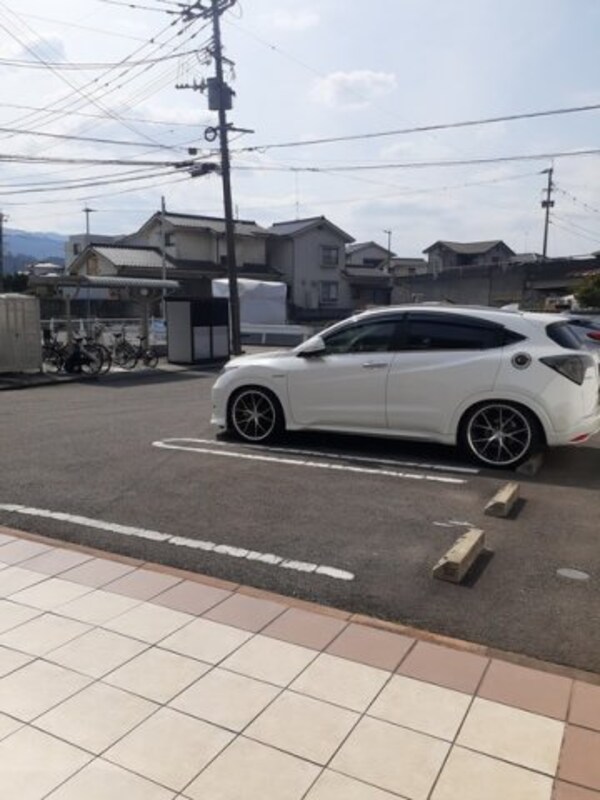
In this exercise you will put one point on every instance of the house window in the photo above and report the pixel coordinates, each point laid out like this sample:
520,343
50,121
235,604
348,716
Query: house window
168,239
76,249
372,262
329,256
329,292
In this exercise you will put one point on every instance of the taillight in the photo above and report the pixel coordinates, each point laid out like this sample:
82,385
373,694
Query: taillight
594,336
572,367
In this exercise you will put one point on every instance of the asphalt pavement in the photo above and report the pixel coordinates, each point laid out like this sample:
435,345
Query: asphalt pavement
130,463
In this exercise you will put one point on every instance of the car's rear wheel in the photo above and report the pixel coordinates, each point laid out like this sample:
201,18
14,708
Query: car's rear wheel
500,434
255,415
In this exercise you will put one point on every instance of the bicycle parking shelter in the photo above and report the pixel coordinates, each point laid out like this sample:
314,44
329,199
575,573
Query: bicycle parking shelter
143,290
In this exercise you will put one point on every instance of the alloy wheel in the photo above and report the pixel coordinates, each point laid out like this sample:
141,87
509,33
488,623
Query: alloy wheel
499,435
254,416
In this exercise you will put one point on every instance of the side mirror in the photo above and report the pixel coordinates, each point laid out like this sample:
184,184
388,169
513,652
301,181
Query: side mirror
313,347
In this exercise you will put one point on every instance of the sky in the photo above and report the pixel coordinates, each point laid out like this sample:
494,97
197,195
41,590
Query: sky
305,70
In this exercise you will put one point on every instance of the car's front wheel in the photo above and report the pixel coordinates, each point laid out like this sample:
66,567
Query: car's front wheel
255,415
500,434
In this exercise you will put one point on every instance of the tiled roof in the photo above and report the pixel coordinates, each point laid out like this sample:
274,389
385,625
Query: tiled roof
293,226
408,262
357,246
467,248
131,256
215,224
298,225
365,275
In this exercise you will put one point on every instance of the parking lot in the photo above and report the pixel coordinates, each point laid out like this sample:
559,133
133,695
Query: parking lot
131,464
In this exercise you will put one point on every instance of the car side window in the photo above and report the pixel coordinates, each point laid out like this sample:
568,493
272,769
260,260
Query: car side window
368,337
451,332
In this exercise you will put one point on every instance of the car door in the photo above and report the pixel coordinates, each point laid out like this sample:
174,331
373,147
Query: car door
345,387
444,359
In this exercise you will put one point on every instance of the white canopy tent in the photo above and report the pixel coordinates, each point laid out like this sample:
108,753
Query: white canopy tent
261,302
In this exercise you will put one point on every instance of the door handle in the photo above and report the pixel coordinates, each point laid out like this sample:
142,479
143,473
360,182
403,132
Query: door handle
374,365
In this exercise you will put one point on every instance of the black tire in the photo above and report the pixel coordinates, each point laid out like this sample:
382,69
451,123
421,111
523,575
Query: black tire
255,415
52,359
106,359
125,355
102,353
90,362
150,358
500,435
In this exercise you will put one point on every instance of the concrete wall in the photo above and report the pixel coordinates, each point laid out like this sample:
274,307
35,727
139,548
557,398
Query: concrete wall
495,285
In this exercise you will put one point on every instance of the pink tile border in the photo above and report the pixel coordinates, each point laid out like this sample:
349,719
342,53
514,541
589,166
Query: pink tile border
318,627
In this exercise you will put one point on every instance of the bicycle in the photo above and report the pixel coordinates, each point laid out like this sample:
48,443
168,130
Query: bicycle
82,359
124,354
93,345
53,355
76,359
147,355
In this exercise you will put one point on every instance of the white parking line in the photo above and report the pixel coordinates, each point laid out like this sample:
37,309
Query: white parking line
189,445
340,457
182,541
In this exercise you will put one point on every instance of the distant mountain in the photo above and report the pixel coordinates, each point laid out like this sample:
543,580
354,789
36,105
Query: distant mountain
28,246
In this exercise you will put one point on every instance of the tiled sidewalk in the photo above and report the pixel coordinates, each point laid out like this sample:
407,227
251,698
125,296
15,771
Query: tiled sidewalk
123,680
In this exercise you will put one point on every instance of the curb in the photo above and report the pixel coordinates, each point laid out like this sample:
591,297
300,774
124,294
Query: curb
419,634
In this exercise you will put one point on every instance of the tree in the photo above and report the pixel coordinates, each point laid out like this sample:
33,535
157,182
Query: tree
588,294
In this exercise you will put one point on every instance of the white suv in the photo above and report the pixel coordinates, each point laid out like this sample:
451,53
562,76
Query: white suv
499,384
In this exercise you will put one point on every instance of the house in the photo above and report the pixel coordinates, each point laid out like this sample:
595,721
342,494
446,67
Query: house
406,267
311,257
75,245
195,252
367,254
444,255
196,242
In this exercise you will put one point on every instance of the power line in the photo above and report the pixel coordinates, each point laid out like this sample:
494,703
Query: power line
84,184
81,66
114,162
425,128
139,6
578,227
141,120
572,232
79,91
85,139
577,200
66,24
429,164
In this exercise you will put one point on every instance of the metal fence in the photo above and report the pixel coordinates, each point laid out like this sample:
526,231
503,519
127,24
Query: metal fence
104,329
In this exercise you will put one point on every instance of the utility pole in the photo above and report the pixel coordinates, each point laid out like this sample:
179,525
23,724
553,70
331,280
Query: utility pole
163,255
224,100
2,218
220,99
547,204
87,211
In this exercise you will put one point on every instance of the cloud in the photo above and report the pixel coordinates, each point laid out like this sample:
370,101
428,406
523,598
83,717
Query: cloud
352,90
300,20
